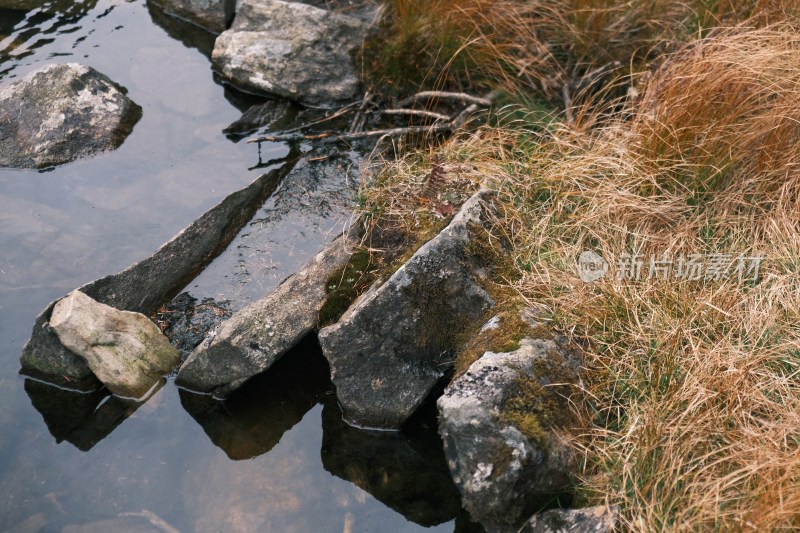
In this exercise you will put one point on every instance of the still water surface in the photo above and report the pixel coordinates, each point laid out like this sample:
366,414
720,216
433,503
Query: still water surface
276,456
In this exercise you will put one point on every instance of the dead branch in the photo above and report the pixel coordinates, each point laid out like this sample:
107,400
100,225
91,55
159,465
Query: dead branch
444,122
395,132
416,113
361,117
444,95
462,117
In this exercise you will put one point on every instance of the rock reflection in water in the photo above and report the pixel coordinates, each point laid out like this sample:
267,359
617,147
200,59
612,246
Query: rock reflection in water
404,470
82,419
252,421
191,35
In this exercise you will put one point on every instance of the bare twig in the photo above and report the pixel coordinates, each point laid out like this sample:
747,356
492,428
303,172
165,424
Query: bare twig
290,137
396,132
444,95
338,113
444,124
417,113
360,118
462,117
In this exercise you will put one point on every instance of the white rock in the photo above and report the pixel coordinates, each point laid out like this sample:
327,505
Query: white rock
125,350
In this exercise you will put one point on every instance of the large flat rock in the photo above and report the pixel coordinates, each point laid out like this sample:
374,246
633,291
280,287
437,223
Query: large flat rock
291,50
60,113
250,341
394,344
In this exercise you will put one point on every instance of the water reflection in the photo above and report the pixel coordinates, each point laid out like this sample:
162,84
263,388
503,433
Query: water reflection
191,35
34,24
252,421
405,472
82,419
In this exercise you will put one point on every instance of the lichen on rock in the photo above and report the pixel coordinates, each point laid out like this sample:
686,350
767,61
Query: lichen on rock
61,113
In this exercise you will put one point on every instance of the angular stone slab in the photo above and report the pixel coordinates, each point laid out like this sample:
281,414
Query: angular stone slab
61,113
125,350
396,341
291,50
250,341
213,15
501,472
147,284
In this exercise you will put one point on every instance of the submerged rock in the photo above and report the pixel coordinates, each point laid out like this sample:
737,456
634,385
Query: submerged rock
21,5
190,34
125,350
500,425
60,113
599,519
254,338
393,345
185,322
213,15
291,50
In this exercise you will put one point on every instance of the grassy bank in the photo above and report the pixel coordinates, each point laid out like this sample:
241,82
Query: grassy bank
691,398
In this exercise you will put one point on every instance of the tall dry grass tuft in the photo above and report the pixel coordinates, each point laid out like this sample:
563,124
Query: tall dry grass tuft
693,387
564,50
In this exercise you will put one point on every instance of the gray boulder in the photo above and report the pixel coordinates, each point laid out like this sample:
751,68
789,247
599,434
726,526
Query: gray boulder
126,351
598,519
250,341
395,343
500,423
213,15
60,113
291,50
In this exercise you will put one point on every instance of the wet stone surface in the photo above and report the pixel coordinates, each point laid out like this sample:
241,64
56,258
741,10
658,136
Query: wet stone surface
61,113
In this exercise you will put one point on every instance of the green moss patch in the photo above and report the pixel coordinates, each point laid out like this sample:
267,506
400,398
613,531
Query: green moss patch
345,285
539,402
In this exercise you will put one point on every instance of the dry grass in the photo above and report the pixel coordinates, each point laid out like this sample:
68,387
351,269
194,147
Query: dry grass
692,389
548,46
693,386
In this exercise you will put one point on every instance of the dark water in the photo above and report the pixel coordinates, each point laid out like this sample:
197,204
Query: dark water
274,457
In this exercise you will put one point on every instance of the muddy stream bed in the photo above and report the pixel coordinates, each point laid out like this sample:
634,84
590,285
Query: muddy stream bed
276,456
